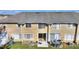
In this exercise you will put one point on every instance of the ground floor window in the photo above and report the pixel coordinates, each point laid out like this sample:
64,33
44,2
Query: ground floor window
55,36
20,36
28,36
16,36
23,36
69,37
42,36
78,37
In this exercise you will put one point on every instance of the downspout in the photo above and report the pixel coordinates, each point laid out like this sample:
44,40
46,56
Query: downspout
48,33
75,35
19,26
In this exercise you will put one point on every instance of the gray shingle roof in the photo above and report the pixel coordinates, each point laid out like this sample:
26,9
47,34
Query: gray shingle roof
43,17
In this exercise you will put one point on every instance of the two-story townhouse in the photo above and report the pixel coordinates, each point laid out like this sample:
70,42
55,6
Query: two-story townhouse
43,26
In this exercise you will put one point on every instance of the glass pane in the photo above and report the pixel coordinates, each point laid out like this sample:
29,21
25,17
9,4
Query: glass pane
16,36
28,36
41,25
28,25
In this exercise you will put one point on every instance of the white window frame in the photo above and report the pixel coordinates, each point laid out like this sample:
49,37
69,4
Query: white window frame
13,35
77,36
28,24
31,37
55,36
41,25
70,26
56,26
69,37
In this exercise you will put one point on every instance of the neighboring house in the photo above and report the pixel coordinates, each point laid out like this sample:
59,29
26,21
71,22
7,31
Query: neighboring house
39,26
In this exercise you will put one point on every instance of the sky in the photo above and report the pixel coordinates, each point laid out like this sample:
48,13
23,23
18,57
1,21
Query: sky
18,11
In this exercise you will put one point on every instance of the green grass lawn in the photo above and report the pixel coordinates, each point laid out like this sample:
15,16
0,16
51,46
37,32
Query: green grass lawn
73,47
24,46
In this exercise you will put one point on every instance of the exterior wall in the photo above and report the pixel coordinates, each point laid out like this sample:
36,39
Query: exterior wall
63,30
13,29
32,30
42,30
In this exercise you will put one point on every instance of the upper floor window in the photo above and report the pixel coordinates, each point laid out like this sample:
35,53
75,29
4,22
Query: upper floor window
70,25
77,36
28,25
40,26
56,26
